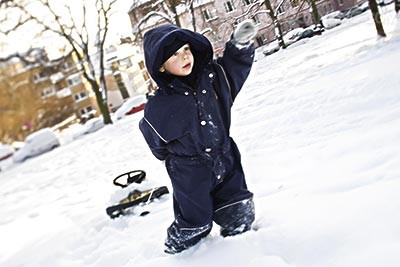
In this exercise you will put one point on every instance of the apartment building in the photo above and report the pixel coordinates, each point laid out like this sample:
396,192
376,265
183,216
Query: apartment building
31,97
126,75
217,19
54,92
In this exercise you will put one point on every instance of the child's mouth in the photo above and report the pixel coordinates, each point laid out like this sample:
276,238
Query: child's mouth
187,66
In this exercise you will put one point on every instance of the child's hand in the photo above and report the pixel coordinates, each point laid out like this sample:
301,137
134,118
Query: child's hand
244,32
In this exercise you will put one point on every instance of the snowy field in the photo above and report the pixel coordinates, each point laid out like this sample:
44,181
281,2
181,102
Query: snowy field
318,126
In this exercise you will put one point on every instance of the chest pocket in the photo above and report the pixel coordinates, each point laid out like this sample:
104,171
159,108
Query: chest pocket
173,116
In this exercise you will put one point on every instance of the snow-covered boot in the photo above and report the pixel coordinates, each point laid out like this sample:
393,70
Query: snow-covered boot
235,218
179,239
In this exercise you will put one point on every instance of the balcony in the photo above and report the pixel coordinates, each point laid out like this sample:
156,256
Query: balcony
65,92
56,77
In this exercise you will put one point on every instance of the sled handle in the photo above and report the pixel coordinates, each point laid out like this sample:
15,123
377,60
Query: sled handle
136,176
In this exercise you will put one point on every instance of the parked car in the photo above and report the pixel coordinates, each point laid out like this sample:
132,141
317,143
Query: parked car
93,125
131,106
352,12
293,36
6,151
329,23
332,20
364,6
17,145
271,48
37,143
311,31
334,15
89,126
308,33
384,2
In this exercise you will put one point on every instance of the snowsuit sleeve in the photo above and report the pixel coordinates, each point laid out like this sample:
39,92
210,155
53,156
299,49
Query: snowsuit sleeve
236,64
154,140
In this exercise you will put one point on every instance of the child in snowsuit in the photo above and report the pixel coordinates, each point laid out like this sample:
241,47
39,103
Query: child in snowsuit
186,123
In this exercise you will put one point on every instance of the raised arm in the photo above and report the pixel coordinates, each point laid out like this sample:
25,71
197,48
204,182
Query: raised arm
238,56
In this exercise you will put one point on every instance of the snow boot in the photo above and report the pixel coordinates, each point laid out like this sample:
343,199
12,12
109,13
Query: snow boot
235,218
179,239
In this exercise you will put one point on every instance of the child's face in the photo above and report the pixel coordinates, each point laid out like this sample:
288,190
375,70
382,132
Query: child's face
180,63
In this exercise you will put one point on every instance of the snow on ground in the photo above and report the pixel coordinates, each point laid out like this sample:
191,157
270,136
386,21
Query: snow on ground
318,126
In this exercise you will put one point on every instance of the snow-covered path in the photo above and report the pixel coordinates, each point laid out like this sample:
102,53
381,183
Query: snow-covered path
318,127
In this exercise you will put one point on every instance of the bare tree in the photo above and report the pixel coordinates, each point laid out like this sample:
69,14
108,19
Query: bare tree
277,26
85,42
397,5
190,9
172,5
377,18
165,11
314,11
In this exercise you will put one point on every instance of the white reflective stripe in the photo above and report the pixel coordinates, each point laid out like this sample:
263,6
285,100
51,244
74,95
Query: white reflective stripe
241,201
227,81
202,228
154,129
241,46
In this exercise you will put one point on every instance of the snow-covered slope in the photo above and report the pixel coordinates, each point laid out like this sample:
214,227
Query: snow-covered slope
318,127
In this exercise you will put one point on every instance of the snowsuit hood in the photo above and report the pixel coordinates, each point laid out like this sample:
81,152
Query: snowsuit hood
157,39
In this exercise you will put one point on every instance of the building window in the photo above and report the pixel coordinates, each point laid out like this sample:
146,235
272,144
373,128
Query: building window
125,63
294,3
80,96
330,9
210,14
85,110
146,76
121,85
67,65
341,2
247,2
39,77
74,80
260,40
141,65
301,21
256,19
280,10
47,92
229,7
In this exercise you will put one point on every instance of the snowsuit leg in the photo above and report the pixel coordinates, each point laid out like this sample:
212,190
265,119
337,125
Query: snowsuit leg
233,203
181,238
199,197
193,206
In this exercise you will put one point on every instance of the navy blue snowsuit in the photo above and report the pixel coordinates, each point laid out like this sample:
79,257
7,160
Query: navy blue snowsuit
188,127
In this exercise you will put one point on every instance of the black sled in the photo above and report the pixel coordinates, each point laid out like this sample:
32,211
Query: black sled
135,197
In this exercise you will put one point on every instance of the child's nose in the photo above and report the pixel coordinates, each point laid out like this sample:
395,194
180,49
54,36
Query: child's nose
186,54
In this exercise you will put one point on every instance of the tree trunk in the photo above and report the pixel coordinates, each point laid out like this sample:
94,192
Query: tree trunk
193,16
397,5
314,13
173,4
103,94
277,26
123,90
102,104
377,18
